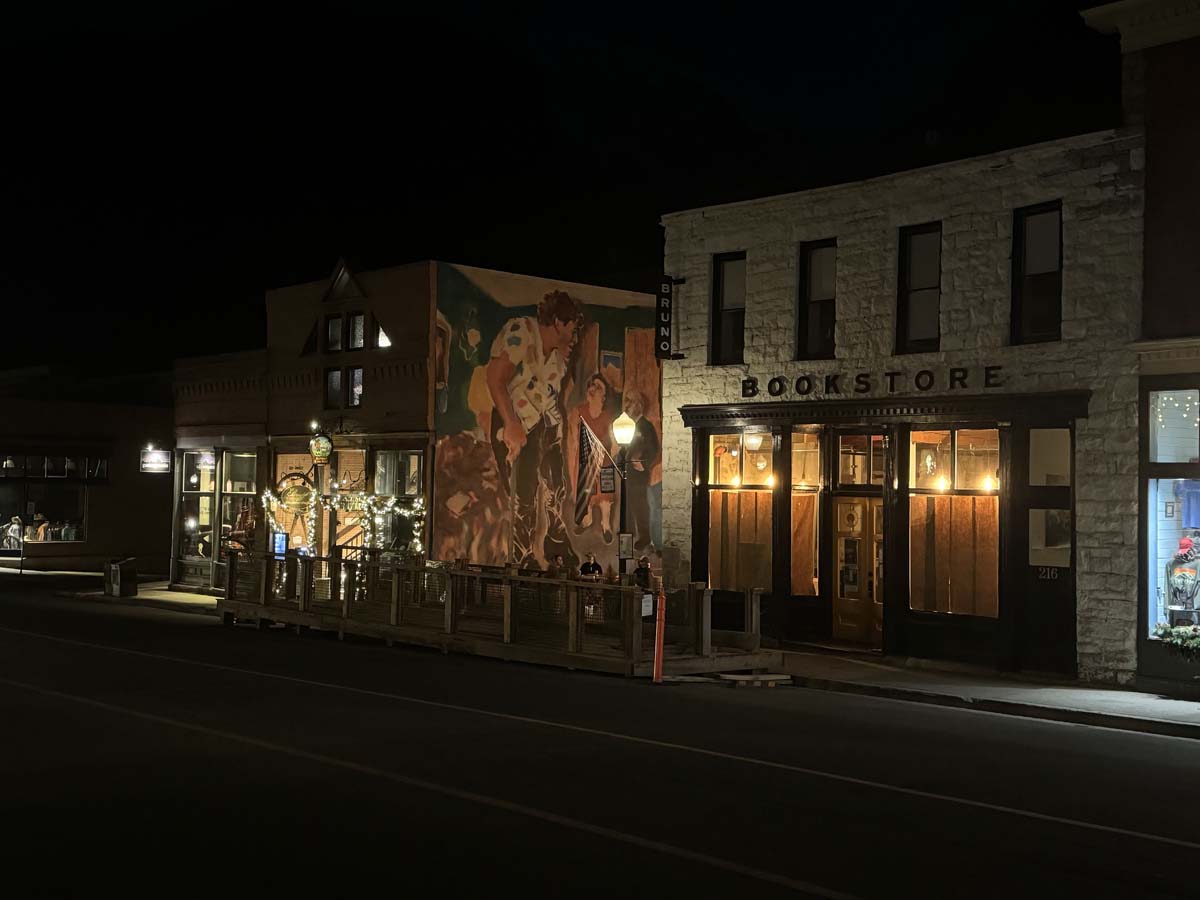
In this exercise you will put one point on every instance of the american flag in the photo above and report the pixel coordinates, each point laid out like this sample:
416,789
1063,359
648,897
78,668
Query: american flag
591,453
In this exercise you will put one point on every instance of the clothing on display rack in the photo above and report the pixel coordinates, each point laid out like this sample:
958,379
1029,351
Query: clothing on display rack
1187,493
1183,576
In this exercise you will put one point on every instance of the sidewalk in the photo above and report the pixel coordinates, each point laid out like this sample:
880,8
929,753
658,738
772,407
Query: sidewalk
1062,702
154,594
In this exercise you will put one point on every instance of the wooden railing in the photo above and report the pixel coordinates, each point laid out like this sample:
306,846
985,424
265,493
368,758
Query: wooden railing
476,608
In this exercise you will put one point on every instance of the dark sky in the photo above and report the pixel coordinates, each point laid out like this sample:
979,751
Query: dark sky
165,165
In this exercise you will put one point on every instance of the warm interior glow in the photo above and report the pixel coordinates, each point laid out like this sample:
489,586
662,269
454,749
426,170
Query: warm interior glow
770,481
941,483
989,483
736,481
623,429
753,442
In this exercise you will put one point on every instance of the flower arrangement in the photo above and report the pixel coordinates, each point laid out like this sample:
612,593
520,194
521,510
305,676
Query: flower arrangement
1183,639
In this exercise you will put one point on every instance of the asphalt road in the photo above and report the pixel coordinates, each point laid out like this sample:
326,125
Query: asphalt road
146,752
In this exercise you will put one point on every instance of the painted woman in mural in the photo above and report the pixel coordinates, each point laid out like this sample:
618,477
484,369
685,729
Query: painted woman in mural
642,453
525,378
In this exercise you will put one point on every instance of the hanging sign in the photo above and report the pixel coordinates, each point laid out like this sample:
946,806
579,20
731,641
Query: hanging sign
608,480
319,447
663,319
156,461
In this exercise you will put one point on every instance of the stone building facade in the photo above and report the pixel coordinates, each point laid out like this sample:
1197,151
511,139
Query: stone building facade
1099,180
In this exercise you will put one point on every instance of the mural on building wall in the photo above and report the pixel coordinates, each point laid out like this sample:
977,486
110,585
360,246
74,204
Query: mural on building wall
527,371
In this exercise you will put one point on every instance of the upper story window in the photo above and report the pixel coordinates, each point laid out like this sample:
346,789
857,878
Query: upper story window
1037,274
816,312
333,388
355,380
333,334
918,301
356,331
728,309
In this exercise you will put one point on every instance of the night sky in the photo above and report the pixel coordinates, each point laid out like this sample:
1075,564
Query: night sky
164,166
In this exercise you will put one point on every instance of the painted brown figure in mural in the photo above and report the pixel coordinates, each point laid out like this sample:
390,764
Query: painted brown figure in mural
525,379
641,454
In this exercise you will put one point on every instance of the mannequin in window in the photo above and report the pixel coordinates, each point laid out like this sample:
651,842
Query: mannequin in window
12,534
1183,576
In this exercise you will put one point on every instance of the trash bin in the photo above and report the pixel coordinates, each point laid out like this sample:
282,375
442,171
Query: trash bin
120,578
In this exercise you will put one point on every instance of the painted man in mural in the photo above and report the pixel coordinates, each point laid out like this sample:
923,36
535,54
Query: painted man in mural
642,452
525,379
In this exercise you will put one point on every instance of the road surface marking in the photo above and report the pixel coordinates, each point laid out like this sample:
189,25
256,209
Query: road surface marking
619,736
445,790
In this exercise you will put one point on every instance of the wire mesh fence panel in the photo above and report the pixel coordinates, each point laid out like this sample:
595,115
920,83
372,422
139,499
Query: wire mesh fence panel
479,604
421,596
324,592
603,614
540,613
247,579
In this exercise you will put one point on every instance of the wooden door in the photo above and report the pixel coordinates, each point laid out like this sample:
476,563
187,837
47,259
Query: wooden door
858,570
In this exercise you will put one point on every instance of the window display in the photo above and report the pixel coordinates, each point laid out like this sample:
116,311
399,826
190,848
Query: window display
1173,567
398,473
805,536
55,512
196,504
239,501
724,455
929,460
977,459
757,448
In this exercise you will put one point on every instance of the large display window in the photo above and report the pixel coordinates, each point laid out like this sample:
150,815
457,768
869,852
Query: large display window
239,501
43,497
954,522
196,504
740,514
805,529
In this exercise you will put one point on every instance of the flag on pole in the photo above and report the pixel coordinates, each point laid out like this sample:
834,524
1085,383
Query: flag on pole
591,453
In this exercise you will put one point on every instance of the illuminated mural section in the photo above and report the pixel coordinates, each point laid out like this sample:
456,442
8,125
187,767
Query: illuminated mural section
530,375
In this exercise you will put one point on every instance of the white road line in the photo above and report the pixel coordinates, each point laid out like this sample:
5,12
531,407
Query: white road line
457,793
633,739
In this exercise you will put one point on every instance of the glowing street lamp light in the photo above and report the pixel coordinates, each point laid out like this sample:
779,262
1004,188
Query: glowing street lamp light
623,429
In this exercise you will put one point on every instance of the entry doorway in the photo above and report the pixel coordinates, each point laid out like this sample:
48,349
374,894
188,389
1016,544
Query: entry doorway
858,587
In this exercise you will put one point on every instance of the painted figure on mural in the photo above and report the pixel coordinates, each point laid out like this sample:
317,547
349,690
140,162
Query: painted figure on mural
641,455
595,414
525,379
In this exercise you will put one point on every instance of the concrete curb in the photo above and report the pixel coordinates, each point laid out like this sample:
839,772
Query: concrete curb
1005,707
143,602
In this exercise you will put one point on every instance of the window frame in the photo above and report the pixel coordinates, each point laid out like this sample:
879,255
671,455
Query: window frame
717,313
326,343
348,331
341,400
905,344
1017,337
804,300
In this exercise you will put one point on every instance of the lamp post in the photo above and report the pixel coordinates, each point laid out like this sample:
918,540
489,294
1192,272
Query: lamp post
623,430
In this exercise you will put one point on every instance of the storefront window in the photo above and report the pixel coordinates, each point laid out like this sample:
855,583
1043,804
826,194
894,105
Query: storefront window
239,501
739,540
805,534
398,473
806,459
196,504
12,511
929,461
977,465
1174,424
1173,566
199,471
1050,538
55,512
724,459
854,461
757,448
1049,457
954,533
12,466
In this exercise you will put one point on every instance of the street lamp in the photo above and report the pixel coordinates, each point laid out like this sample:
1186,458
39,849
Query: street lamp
623,431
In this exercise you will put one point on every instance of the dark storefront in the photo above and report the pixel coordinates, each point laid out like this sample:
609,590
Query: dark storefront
930,527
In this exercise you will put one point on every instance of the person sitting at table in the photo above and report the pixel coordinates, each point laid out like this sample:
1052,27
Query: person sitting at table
591,569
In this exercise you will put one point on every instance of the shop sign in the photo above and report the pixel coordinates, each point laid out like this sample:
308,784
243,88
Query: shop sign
608,480
320,446
954,378
663,319
156,461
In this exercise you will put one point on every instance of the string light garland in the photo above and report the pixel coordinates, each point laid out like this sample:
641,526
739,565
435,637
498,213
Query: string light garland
373,509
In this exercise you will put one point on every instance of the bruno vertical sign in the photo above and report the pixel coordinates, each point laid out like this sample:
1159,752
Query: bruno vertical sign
662,318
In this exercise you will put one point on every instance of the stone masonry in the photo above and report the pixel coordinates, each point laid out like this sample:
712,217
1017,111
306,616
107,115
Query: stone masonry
1099,179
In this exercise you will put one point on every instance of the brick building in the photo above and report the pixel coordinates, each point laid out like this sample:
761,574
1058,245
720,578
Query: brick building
907,408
